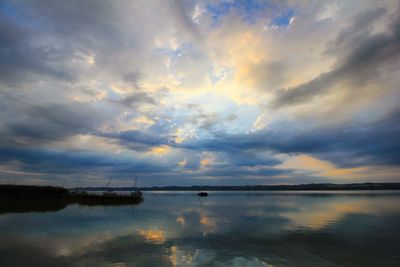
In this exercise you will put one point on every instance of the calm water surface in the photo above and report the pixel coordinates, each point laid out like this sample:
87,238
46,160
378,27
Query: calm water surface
224,229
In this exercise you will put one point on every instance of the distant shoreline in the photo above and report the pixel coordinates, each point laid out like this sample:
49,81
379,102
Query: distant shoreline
299,187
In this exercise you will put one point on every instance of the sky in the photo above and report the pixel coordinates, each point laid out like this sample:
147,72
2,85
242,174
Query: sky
175,92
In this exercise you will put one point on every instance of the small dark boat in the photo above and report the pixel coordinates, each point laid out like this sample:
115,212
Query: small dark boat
202,194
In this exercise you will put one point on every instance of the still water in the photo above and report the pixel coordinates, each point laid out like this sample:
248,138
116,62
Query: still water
224,229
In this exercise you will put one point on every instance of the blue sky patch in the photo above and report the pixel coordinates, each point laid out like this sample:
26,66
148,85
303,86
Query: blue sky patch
283,19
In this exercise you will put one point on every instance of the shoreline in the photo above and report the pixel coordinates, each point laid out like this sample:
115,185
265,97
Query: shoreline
299,187
24,193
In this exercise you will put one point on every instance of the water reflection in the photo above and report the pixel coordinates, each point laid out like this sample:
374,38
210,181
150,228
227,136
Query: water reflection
222,230
190,257
153,236
32,205
180,220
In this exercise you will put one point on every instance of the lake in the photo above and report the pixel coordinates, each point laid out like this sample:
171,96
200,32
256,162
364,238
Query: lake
273,228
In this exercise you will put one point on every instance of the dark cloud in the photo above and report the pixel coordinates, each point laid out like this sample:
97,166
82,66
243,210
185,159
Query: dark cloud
22,55
206,120
364,53
353,145
136,99
138,140
252,159
47,38
133,78
52,161
90,23
181,11
52,122
232,172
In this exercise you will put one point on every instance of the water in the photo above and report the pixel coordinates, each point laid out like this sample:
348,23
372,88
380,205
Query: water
224,229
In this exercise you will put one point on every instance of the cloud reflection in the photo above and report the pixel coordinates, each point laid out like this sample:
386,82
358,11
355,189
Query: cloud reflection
308,229
153,236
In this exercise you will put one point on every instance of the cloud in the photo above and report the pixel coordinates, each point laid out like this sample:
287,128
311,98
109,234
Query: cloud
52,122
138,140
136,99
357,145
111,88
23,56
68,162
132,77
367,54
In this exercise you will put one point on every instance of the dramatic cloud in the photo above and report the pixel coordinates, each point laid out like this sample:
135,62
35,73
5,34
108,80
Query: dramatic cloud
368,52
232,92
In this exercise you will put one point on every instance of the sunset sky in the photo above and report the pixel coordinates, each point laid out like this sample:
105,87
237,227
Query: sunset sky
231,92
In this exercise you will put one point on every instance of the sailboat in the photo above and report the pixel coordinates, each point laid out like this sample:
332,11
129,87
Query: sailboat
109,192
135,191
202,193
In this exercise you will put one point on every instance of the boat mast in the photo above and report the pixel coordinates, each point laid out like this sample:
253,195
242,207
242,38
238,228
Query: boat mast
134,185
77,184
108,185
